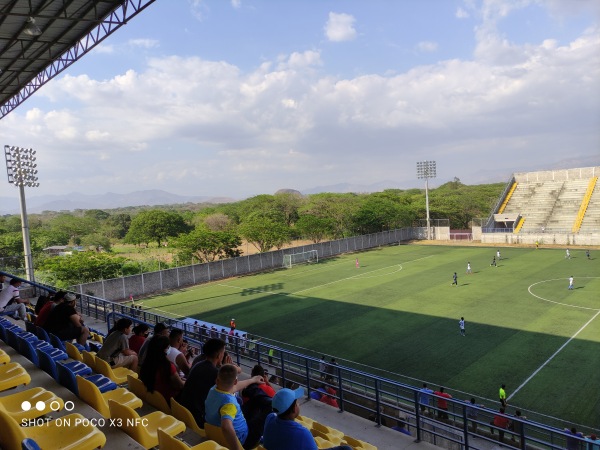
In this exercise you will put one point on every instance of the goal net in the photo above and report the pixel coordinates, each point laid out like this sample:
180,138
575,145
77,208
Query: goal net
297,258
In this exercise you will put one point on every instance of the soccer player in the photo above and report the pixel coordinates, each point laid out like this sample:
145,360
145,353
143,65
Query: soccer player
587,253
493,263
454,279
498,255
571,283
568,254
469,271
357,264
461,325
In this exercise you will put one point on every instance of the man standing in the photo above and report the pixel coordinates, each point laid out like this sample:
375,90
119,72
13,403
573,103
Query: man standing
454,279
498,255
568,254
11,301
461,325
469,271
502,395
571,283
424,397
442,403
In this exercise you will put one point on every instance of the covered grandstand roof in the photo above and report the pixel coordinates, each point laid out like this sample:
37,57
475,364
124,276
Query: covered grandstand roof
41,38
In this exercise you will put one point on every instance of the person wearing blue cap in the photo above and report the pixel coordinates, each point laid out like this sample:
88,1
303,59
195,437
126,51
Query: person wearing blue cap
282,432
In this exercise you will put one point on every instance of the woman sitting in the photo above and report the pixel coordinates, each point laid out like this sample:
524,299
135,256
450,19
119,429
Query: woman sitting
140,333
158,373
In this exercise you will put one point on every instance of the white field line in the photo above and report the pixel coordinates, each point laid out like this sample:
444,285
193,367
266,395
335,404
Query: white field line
167,312
355,276
552,357
558,303
302,272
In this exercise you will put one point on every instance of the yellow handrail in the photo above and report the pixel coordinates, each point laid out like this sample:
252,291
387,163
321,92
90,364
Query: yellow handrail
507,198
584,204
519,225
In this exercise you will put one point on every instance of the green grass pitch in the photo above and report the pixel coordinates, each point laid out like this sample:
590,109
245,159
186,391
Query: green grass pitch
399,313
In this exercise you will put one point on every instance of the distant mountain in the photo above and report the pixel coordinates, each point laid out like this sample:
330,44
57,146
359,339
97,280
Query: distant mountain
343,188
110,200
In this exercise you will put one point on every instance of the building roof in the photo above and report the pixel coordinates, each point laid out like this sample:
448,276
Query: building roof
66,30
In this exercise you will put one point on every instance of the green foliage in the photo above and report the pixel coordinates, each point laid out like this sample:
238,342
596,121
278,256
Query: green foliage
264,233
96,214
206,245
81,267
155,226
118,225
315,228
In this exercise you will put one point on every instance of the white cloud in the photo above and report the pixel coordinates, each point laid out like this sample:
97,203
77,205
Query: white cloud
237,4
340,27
144,43
461,13
427,46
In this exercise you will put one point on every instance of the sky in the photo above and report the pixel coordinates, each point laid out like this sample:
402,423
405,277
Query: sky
243,97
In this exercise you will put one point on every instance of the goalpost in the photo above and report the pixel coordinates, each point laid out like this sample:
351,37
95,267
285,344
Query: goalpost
310,256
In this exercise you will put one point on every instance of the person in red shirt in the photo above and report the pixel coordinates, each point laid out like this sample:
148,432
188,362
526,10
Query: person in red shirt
501,422
442,403
158,373
44,312
140,334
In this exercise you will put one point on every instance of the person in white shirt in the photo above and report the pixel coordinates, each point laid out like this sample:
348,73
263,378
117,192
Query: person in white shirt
175,353
10,300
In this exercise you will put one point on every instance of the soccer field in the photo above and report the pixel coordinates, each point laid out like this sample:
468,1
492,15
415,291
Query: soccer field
399,312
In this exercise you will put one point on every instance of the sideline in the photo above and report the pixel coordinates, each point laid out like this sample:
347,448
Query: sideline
552,357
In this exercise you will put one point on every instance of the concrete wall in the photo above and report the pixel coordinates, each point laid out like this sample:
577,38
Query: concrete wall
557,175
578,239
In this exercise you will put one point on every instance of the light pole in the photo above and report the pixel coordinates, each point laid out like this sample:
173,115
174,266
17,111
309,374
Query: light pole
21,171
426,169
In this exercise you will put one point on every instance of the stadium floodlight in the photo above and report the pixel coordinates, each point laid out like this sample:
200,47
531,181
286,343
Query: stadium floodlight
426,169
22,172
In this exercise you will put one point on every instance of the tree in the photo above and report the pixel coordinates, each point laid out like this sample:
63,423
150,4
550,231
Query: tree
217,222
207,245
315,228
264,233
339,208
81,267
118,225
155,225
96,214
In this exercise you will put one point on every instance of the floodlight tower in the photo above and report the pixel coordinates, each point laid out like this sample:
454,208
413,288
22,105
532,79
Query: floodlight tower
426,169
21,171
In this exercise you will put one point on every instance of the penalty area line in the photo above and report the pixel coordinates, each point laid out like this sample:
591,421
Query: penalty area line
552,357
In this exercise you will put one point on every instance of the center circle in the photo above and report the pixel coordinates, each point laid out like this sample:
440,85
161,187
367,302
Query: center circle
564,280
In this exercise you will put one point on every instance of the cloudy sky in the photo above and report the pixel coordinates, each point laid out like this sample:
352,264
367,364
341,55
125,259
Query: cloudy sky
241,97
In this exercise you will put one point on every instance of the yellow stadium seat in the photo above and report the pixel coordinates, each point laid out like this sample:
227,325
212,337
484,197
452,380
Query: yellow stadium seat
137,386
358,444
12,375
305,421
215,433
166,442
12,404
144,429
89,393
73,352
328,430
118,374
4,358
53,434
323,443
180,412
157,400
89,359
336,440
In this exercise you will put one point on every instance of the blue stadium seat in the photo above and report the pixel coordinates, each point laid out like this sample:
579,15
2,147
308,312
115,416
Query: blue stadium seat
49,365
68,380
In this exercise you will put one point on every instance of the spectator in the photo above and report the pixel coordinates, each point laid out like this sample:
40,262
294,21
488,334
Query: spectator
442,403
160,329
574,437
516,426
329,397
330,370
257,404
11,301
202,377
501,422
44,312
176,353
265,387
425,398
223,409
282,432
140,334
66,323
41,301
401,427
473,413
115,349
158,373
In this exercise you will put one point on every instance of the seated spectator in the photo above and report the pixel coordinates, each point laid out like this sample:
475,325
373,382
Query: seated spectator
160,329
44,312
115,349
574,439
256,404
10,300
140,334
177,351
41,301
223,409
282,432
65,322
266,386
158,373
401,427
502,422
329,397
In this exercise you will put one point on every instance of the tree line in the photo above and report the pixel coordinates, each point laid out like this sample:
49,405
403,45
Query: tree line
209,232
